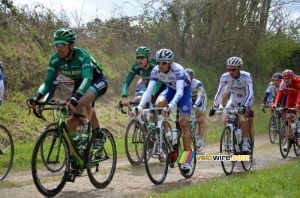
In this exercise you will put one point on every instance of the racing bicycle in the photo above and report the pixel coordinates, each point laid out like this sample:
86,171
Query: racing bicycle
6,151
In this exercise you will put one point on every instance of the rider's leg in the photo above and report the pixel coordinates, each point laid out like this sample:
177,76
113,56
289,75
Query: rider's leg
186,136
162,102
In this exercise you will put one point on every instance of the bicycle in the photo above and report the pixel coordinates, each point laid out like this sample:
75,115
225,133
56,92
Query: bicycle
6,152
232,145
194,129
289,132
55,145
159,153
274,124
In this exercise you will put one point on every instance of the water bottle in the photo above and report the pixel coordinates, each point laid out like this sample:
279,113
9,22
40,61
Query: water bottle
169,135
174,136
76,139
84,135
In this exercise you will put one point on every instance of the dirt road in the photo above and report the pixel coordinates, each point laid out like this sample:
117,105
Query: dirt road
134,182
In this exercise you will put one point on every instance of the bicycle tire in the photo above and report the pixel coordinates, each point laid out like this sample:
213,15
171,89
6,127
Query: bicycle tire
47,182
156,168
273,130
101,168
248,164
6,152
227,166
297,145
285,128
194,160
134,142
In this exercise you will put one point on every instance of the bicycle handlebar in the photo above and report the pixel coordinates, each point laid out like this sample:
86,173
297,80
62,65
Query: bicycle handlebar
55,105
120,106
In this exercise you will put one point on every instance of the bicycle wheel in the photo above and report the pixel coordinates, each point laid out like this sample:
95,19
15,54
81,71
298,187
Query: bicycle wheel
52,125
297,145
285,128
134,142
273,130
157,165
50,183
102,165
6,152
247,164
192,161
225,145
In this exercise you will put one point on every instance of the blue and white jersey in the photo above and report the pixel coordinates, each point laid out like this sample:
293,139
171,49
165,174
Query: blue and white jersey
175,78
198,92
272,89
241,89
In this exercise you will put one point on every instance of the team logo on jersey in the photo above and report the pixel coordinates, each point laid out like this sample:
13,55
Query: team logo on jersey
185,108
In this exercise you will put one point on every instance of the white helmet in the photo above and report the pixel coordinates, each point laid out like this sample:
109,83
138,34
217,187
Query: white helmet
234,61
164,55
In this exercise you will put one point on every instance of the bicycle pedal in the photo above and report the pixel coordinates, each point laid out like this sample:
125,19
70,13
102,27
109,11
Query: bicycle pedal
71,177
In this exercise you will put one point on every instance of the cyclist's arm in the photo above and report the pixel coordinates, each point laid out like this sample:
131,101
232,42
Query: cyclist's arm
219,93
126,83
157,87
147,94
87,77
47,84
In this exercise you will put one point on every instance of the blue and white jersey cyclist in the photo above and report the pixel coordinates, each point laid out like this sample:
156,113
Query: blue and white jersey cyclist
178,91
240,87
1,84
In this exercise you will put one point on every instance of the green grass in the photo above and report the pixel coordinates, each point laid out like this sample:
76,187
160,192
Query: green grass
278,181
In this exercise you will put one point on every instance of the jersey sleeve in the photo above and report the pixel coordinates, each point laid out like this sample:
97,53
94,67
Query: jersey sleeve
128,80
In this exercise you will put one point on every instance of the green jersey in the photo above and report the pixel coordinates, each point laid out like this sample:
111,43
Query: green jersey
82,68
144,73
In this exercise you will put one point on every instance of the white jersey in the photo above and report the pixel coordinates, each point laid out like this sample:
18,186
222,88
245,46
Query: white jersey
241,90
198,92
272,89
176,78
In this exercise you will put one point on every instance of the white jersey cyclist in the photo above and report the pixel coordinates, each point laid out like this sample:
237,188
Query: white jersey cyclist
272,89
199,95
176,80
241,90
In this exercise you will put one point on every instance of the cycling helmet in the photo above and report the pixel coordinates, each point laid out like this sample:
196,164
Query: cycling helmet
277,76
143,50
190,71
164,55
287,73
64,35
234,61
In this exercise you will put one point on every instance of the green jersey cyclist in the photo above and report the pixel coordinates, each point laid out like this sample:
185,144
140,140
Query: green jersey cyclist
142,67
90,83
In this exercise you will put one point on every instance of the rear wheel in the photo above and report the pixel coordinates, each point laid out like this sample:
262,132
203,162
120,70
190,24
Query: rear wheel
155,157
102,164
6,152
134,142
227,149
49,182
285,129
297,145
247,163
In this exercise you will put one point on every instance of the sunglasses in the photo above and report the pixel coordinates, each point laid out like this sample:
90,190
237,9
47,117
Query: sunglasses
60,44
231,70
161,63
140,57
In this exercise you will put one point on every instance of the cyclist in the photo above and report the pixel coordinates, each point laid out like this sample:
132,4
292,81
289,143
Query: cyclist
272,89
199,101
1,84
289,85
241,96
142,67
90,83
178,91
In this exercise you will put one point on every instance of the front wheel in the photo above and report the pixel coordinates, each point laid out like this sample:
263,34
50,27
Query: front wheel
297,145
247,163
285,129
227,148
102,164
47,181
273,129
6,152
155,157
134,142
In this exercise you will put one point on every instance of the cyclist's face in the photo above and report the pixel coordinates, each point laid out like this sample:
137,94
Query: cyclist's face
142,60
163,66
64,49
288,81
233,71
